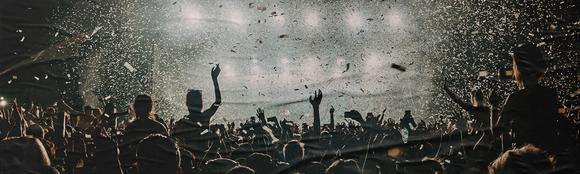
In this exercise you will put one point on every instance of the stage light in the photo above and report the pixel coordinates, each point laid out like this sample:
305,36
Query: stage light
394,19
311,18
192,15
354,20
228,71
3,102
284,61
278,22
373,62
236,17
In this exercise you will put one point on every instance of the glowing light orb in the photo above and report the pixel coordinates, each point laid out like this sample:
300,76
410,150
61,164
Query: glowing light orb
312,19
354,20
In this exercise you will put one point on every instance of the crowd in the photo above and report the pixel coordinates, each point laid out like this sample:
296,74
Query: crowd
527,134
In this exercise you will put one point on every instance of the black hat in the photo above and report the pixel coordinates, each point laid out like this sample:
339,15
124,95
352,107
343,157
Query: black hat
529,59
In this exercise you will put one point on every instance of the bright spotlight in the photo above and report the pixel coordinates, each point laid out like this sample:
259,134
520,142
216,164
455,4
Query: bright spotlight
236,17
394,19
284,60
354,20
192,15
3,102
311,19
373,62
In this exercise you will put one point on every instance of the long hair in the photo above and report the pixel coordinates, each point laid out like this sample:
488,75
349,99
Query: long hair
143,106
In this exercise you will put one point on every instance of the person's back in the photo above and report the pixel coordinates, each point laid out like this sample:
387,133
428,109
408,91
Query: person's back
193,130
22,155
140,128
158,154
135,132
533,113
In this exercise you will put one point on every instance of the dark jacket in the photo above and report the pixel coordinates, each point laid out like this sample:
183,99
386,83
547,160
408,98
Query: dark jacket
532,115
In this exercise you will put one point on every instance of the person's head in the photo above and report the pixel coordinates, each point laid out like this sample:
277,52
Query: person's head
21,155
194,101
241,170
527,159
143,106
88,110
219,166
528,63
341,166
477,97
260,162
158,154
36,131
293,151
408,113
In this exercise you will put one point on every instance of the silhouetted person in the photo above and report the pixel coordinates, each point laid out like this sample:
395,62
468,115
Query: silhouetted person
24,155
478,107
293,151
143,126
408,122
219,166
158,154
532,112
341,166
193,129
241,170
260,163
315,102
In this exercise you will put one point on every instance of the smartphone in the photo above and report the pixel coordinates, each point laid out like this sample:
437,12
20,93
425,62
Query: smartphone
506,74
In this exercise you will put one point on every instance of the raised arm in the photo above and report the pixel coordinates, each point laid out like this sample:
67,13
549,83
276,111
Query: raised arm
332,118
315,102
215,72
261,116
461,103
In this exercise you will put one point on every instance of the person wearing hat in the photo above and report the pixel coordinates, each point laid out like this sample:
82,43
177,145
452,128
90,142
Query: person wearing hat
531,112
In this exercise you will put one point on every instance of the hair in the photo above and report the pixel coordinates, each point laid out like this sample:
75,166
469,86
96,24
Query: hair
527,159
22,155
529,64
219,165
477,97
341,166
259,162
143,106
241,170
158,154
522,77
293,150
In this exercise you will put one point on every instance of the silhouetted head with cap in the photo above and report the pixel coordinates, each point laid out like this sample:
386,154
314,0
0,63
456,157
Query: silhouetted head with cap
194,101
529,64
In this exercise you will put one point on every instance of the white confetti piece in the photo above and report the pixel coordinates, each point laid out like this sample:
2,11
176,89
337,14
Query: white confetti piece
129,67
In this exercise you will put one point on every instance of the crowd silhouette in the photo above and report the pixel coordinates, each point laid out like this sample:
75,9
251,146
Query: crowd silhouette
527,134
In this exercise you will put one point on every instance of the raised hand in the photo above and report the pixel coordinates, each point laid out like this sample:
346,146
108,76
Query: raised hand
331,109
332,118
215,71
315,101
260,115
